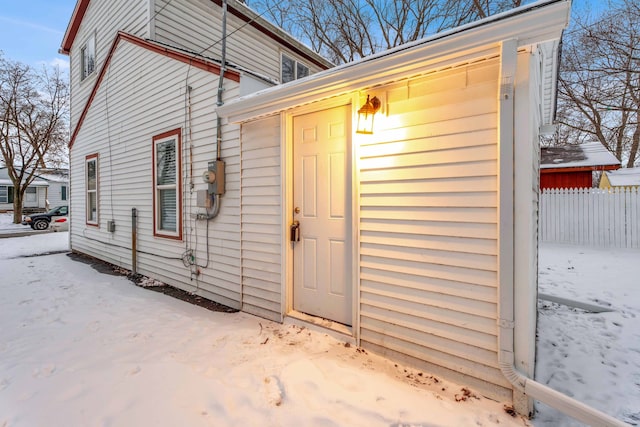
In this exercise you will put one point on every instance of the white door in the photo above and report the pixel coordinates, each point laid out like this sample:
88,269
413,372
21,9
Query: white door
322,205
31,197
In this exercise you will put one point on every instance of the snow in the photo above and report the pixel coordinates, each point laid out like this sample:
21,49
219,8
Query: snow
624,177
595,154
82,348
593,357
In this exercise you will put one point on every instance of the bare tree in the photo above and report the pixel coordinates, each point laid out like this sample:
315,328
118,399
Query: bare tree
347,30
599,82
33,123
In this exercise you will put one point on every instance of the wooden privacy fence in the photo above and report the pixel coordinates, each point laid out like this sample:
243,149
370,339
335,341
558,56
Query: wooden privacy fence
591,216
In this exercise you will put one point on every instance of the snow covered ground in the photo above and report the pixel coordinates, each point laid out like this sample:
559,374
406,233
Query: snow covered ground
593,357
83,348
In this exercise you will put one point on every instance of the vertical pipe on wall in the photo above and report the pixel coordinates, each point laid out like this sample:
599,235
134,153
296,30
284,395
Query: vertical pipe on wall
134,238
506,285
223,67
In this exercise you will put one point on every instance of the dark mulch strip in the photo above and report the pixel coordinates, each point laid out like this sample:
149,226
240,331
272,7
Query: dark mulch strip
97,264
191,298
44,254
107,268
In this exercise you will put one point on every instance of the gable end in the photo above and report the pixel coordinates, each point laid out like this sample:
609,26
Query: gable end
194,61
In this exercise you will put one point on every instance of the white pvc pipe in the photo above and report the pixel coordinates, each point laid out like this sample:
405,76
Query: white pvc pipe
531,388
576,304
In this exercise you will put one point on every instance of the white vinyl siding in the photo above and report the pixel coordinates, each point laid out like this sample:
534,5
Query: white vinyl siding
261,218
121,132
102,21
196,25
428,226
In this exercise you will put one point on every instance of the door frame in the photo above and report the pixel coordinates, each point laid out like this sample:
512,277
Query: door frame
286,154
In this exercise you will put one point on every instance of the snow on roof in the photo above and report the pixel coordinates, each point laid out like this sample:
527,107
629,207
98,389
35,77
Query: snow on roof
624,177
573,156
34,183
58,175
40,179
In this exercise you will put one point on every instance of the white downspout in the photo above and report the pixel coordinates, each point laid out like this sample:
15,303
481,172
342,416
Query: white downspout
531,388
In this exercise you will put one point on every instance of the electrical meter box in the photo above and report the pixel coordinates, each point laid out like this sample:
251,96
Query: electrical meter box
214,177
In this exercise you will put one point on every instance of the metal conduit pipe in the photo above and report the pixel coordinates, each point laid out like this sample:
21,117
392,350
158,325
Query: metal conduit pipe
215,198
506,360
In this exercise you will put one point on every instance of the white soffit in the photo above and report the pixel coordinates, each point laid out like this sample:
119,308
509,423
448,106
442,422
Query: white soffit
531,24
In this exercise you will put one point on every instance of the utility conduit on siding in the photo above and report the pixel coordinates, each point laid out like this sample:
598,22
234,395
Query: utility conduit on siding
533,389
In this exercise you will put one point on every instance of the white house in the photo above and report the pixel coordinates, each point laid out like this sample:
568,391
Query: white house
48,189
145,80
417,241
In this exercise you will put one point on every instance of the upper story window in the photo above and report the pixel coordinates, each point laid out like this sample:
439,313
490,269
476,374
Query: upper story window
88,57
292,69
167,200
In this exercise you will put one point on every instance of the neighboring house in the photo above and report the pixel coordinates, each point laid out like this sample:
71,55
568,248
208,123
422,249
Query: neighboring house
628,178
48,189
405,242
573,166
57,192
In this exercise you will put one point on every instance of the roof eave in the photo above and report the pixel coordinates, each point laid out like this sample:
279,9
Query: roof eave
589,168
532,24
73,26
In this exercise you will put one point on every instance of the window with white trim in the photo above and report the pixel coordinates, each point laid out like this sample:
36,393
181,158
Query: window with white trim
291,69
91,180
4,194
88,57
63,192
167,197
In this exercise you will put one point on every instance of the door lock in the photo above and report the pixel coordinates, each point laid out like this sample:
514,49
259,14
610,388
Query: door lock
294,231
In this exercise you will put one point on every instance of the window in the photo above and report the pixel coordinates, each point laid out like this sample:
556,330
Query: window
63,194
292,69
6,194
88,57
91,180
166,195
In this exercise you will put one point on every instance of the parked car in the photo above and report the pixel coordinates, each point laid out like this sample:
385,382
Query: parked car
42,221
60,224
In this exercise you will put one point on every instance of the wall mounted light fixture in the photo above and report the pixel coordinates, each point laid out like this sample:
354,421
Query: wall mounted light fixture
366,114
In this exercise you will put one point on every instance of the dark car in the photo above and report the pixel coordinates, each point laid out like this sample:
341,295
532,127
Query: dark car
41,221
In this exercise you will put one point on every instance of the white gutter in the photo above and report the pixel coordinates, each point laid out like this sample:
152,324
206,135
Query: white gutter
531,388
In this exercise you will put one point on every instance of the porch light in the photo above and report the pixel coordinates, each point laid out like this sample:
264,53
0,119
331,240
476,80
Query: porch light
366,114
